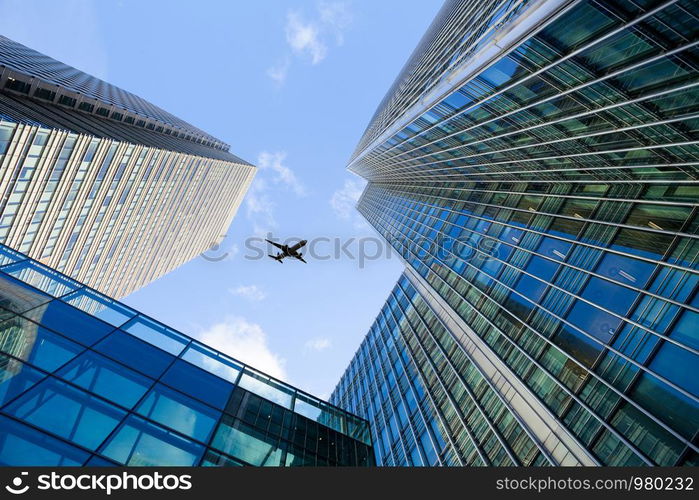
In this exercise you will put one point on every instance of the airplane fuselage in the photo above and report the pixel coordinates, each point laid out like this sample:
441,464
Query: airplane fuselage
289,251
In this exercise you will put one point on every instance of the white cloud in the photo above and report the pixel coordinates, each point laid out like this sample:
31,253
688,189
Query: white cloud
304,37
343,202
337,17
274,162
246,342
344,199
279,71
250,292
318,344
259,207
307,37
259,201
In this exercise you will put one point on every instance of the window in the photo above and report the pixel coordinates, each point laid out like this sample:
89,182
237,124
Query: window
47,94
142,443
67,412
212,361
247,443
106,378
16,377
36,345
179,412
42,277
69,321
23,446
11,290
135,353
17,85
673,363
192,380
86,106
267,388
101,307
67,101
156,334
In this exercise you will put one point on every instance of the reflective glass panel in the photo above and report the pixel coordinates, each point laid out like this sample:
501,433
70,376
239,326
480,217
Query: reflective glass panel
15,378
107,378
192,380
156,334
70,322
179,412
22,445
42,277
35,344
135,353
101,307
67,412
141,443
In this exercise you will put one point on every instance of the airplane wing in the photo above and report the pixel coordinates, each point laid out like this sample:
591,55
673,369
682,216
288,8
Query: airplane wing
301,259
281,247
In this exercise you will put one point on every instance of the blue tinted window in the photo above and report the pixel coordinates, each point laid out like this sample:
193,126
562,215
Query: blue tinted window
266,387
32,343
247,443
7,256
15,378
135,353
192,380
551,247
107,310
212,361
179,412
625,270
677,365
609,295
18,297
42,277
70,322
157,334
22,445
577,345
106,378
674,408
593,321
138,442
530,288
542,268
686,330
67,412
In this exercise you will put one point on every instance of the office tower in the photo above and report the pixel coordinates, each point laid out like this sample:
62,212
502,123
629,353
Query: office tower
86,380
101,184
535,165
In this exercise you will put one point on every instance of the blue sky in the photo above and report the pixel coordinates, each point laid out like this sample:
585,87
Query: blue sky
291,85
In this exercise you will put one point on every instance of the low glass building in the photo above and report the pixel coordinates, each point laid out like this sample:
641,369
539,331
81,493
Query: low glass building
86,380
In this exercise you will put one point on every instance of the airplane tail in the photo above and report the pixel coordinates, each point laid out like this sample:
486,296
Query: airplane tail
275,258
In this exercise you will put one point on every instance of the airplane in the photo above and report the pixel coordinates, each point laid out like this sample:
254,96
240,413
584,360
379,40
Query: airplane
288,251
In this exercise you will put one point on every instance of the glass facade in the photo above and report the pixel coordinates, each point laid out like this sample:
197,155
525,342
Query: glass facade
112,202
546,209
86,380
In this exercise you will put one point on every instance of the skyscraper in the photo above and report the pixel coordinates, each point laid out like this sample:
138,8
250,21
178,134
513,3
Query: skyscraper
535,165
101,184
86,380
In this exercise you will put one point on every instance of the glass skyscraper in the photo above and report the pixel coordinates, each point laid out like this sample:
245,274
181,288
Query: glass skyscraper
86,380
102,185
535,165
